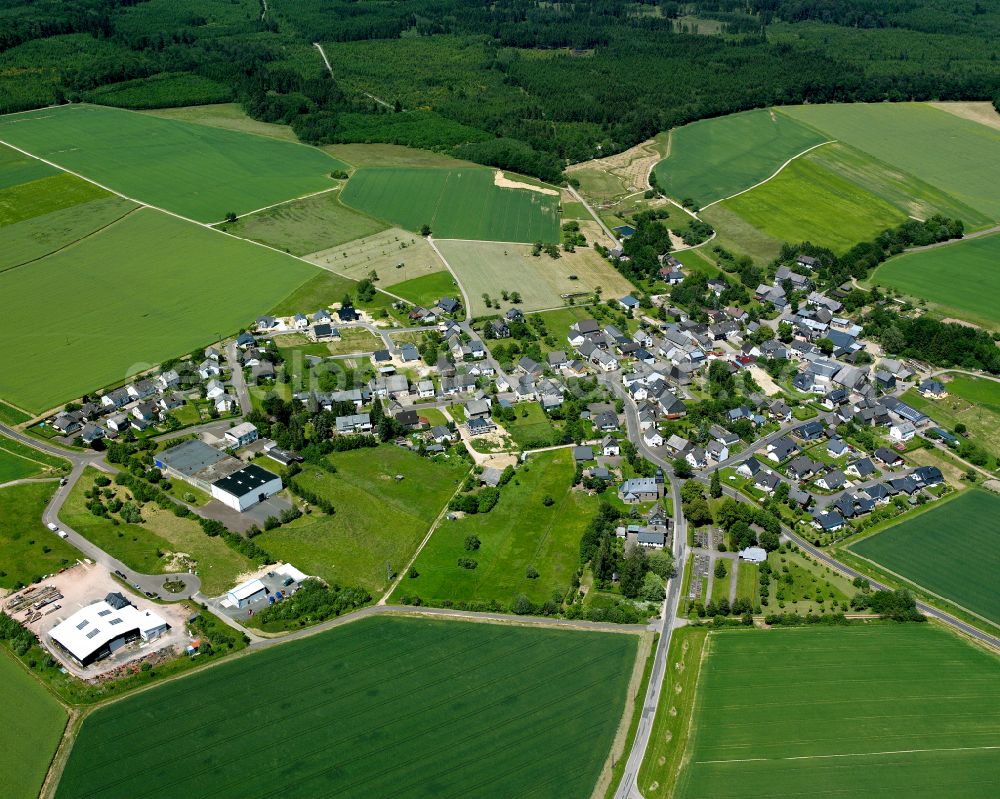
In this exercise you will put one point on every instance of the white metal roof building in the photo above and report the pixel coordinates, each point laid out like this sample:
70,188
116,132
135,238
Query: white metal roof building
94,632
245,593
753,554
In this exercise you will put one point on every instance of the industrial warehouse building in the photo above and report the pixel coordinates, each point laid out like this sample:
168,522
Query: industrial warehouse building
245,593
226,478
96,631
246,487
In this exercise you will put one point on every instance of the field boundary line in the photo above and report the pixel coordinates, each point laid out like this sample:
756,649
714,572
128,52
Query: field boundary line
772,177
849,754
434,525
283,202
73,243
691,727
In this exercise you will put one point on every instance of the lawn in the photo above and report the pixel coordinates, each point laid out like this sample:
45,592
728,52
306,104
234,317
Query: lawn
801,585
18,461
972,284
377,519
808,202
409,708
531,428
456,203
957,156
714,158
720,587
124,302
489,268
521,531
746,582
194,170
42,196
426,290
953,551
33,724
151,547
779,713
972,401
305,226
31,239
28,549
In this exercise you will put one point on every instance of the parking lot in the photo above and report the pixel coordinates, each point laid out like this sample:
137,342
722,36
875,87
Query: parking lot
273,583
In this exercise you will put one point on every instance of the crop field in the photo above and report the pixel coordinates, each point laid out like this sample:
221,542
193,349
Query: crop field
394,255
305,226
808,202
321,290
28,549
124,302
37,197
736,234
971,281
491,268
521,531
779,713
193,170
957,156
377,519
456,203
151,547
402,707
34,238
953,551
33,724
426,290
972,401
17,168
714,158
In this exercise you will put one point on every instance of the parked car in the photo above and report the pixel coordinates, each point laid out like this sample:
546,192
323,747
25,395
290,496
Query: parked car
52,527
63,534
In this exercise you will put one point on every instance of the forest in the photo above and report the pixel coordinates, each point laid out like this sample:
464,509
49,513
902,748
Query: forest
523,84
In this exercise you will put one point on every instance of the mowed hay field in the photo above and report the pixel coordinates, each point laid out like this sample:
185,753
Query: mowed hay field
957,156
401,707
194,170
888,710
714,158
377,519
33,722
394,255
28,549
519,532
808,202
305,226
491,268
953,550
456,203
962,278
145,289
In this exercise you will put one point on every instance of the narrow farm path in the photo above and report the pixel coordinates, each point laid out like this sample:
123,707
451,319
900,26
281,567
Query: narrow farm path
772,177
370,96
579,198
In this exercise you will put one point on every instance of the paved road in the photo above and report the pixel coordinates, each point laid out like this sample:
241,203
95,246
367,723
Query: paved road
236,377
833,563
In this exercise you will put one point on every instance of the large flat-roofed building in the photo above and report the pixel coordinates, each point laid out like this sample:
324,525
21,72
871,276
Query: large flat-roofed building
197,463
245,488
94,632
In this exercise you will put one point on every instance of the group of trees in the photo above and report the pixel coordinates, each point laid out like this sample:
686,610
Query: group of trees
932,341
313,602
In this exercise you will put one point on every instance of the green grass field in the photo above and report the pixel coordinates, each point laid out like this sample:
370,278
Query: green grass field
808,202
958,156
972,401
53,193
124,302
491,268
953,551
18,461
426,290
377,518
305,226
961,278
193,170
714,158
11,415
408,708
149,547
31,239
889,711
17,168
746,582
33,724
28,549
319,291
519,532
531,427
456,203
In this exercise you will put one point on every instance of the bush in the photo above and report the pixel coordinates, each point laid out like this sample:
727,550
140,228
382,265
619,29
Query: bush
531,573
467,563
472,543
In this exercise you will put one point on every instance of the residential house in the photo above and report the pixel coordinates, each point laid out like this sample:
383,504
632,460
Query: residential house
833,480
581,454
862,468
425,389
828,522
611,447
480,426
803,468
641,489
652,437
837,447
888,457
932,389
354,423
781,449
902,431
749,468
